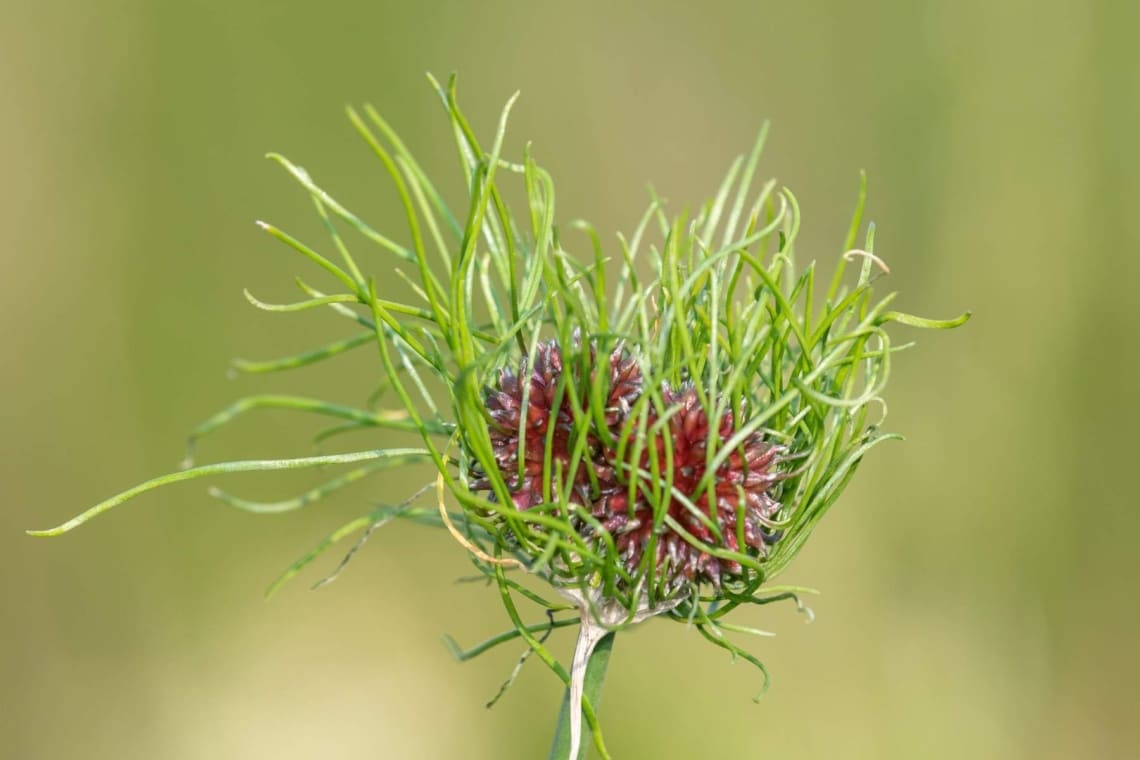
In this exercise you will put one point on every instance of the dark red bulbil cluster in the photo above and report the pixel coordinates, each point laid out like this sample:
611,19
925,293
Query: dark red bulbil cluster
743,510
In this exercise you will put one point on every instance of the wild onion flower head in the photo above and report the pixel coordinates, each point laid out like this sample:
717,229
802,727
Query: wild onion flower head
651,427
612,483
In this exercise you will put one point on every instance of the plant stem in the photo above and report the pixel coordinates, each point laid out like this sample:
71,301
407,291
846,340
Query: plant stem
599,659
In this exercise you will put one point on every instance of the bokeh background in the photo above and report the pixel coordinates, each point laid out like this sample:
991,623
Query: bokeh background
979,581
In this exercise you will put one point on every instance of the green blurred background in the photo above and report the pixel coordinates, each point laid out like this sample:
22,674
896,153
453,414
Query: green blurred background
979,580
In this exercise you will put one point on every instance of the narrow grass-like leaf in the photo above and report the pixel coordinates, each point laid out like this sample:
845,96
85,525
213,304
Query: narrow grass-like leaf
222,468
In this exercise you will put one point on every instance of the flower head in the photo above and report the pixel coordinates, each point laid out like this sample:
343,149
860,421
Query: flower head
653,428
729,506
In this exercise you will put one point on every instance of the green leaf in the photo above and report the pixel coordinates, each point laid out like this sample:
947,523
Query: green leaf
223,468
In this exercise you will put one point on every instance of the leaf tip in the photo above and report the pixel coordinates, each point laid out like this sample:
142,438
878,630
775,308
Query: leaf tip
453,647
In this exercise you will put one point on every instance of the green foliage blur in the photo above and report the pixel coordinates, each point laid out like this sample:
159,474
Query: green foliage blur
978,580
